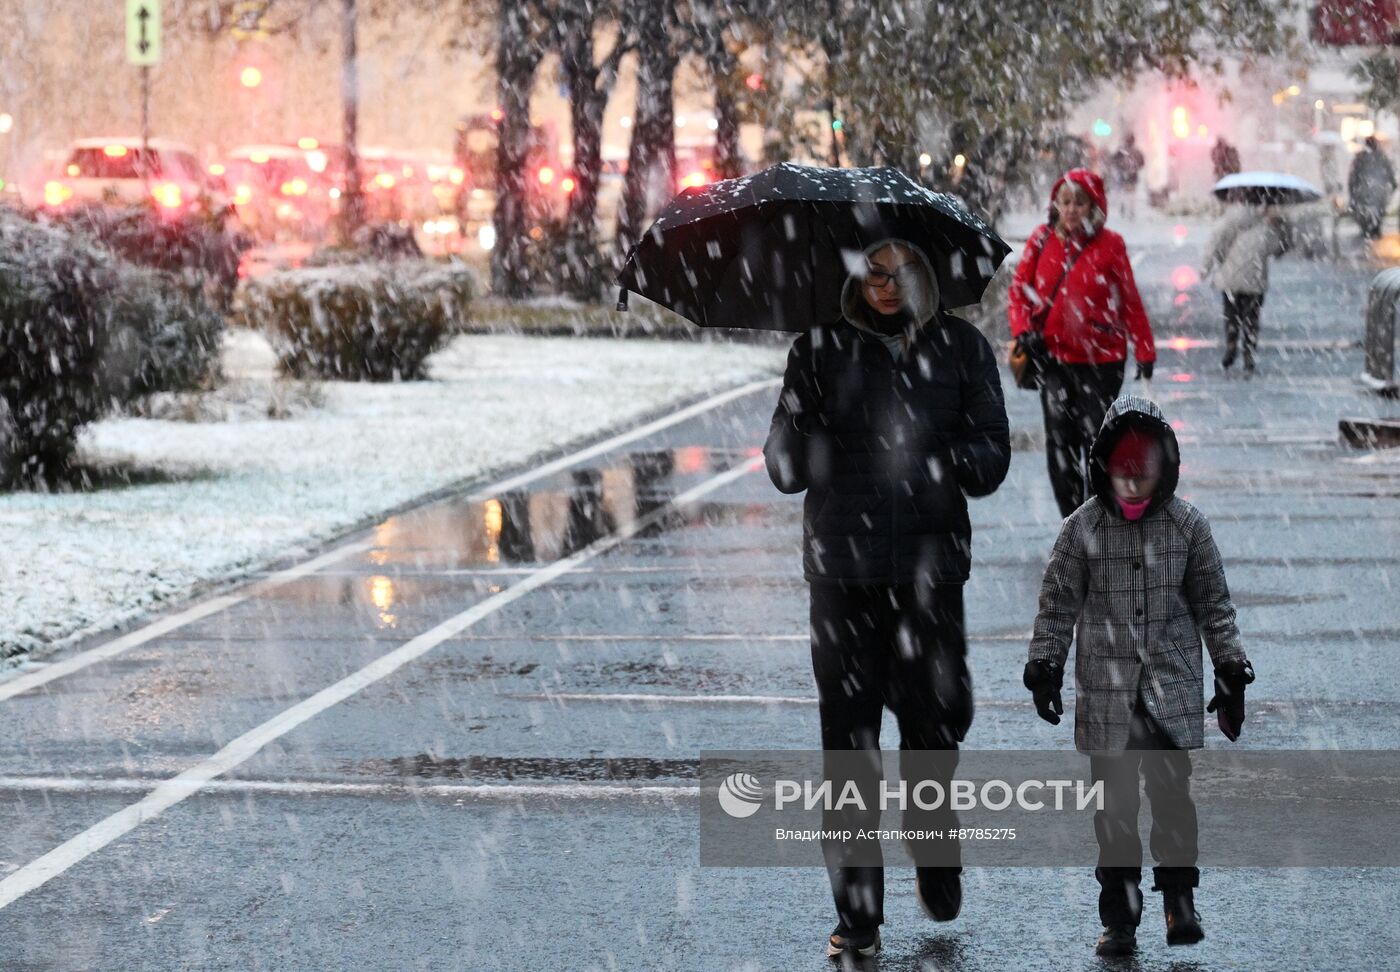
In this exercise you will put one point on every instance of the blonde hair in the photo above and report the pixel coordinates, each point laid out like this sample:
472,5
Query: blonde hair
1097,217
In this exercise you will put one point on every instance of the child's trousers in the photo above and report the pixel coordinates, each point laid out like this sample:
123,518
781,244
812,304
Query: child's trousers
1166,776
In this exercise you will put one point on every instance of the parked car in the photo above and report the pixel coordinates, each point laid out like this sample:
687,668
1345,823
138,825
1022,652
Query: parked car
120,171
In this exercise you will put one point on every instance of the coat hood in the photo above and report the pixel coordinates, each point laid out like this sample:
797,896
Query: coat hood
1142,414
925,305
1086,179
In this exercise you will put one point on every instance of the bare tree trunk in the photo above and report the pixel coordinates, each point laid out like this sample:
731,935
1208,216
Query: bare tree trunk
352,212
582,270
516,60
729,159
723,67
653,144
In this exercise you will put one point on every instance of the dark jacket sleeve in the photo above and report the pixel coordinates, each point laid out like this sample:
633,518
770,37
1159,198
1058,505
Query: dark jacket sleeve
982,457
785,452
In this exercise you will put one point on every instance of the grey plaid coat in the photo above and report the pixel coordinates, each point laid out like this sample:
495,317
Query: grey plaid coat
1137,598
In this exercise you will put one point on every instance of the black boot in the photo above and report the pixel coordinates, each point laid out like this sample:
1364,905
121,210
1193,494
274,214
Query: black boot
1117,940
939,890
1183,923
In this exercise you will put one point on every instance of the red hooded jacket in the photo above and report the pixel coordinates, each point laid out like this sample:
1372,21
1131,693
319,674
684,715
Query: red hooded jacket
1097,305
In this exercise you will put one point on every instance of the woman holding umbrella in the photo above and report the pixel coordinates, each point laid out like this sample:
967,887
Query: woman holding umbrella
1073,305
1238,252
890,416
889,419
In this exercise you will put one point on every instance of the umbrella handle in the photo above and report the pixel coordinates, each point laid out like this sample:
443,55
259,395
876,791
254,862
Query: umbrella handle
622,298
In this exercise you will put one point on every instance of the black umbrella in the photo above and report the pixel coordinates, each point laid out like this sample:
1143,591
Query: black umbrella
772,250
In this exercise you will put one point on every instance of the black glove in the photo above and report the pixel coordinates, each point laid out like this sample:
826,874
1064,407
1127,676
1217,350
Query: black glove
1044,679
1230,680
1144,372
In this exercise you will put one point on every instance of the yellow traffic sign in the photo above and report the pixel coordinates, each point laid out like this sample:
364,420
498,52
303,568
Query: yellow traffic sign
143,32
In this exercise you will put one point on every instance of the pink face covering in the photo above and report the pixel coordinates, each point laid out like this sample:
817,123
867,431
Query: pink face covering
1133,511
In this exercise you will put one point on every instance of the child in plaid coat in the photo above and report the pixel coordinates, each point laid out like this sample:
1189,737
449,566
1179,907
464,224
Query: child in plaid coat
1136,581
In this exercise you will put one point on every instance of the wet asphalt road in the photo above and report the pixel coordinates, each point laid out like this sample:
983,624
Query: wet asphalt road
516,797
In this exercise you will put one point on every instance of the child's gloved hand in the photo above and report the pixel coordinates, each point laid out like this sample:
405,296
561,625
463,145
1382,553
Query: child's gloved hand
1228,701
1044,679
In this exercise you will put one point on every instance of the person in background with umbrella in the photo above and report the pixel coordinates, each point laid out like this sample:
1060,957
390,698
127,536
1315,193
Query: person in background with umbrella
889,419
1237,264
1369,184
1074,303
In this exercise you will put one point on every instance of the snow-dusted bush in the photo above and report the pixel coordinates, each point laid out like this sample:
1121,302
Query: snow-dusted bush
359,322
199,246
164,336
81,332
53,327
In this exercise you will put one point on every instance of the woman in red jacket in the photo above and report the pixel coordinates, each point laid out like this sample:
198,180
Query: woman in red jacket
1074,295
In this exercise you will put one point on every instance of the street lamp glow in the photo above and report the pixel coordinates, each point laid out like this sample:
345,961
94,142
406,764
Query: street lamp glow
7,123
1294,91
959,160
625,121
250,77
925,160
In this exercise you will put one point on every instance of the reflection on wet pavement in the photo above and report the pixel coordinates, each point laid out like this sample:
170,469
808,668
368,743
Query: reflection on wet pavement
544,524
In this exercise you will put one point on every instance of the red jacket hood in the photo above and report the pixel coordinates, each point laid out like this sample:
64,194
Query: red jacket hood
1088,180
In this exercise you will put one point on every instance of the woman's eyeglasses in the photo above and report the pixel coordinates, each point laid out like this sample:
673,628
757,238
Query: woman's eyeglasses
905,276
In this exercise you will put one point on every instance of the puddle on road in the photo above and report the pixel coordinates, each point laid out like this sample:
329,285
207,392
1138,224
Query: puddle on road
528,526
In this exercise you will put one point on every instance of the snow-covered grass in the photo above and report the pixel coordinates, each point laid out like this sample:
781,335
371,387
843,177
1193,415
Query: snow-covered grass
213,500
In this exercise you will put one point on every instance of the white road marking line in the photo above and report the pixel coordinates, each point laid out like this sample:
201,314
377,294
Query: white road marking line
67,666
459,791
661,697
169,792
28,680
665,422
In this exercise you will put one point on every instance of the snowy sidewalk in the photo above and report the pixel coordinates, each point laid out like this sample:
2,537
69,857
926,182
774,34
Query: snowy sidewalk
217,500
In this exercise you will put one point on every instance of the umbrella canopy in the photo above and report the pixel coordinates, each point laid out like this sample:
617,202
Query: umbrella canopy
773,250
1266,188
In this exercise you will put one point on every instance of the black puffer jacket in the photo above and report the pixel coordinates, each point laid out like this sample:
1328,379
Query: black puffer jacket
889,450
